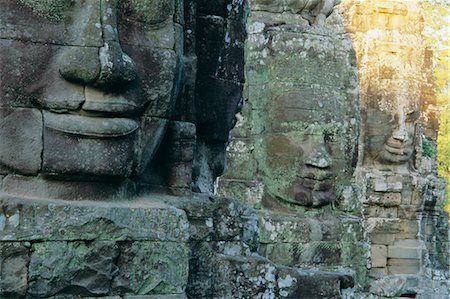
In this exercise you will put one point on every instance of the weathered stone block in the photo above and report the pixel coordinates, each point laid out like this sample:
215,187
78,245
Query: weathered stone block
41,220
152,267
378,255
381,212
390,184
14,258
21,140
275,228
378,273
295,254
408,212
37,187
403,266
227,98
382,238
391,199
409,229
403,252
380,185
389,286
72,267
248,192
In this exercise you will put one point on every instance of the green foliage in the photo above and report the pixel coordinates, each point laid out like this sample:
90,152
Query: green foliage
428,148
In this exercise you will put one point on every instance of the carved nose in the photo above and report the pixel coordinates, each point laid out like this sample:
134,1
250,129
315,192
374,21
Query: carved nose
319,157
116,67
400,135
102,67
107,66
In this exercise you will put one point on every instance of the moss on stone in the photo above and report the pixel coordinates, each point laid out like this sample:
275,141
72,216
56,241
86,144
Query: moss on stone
151,11
50,9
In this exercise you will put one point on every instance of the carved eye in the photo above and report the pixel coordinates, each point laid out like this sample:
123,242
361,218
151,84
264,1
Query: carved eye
412,115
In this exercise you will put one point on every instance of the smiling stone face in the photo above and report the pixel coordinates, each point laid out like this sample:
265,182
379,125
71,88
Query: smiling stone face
87,86
305,82
390,107
310,147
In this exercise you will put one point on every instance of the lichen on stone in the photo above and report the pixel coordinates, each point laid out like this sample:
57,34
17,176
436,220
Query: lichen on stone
50,9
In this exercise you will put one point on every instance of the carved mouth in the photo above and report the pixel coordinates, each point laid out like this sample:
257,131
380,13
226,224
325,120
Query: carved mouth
397,151
318,180
316,188
90,126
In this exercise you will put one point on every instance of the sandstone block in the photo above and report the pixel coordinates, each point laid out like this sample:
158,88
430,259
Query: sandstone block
391,199
161,66
37,187
41,220
383,225
378,273
152,267
389,286
313,253
409,229
21,140
402,252
408,243
280,229
408,212
403,262
88,12
382,238
384,184
14,258
378,255
78,267
381,212
403,266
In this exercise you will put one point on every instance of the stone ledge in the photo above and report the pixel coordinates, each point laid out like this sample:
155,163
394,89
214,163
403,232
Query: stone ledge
47,220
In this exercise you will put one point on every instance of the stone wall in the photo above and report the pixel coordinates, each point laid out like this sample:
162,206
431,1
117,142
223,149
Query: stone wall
115,117
395,184
403,195
294,148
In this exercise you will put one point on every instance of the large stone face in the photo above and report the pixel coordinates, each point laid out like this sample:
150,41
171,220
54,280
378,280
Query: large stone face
301,91
91,63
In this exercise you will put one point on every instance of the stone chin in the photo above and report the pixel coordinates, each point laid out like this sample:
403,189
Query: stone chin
96,148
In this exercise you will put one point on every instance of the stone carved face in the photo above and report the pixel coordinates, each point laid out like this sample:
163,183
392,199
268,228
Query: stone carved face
86,86
311,151
391,110
390,134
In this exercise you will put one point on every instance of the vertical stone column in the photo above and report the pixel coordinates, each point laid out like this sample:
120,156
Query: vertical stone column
401,191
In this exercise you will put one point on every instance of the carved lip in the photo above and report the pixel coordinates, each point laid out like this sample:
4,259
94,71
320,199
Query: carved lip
318,180
398,148
90,126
